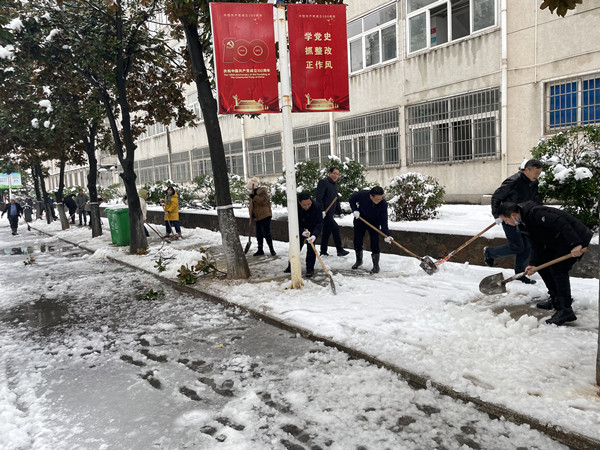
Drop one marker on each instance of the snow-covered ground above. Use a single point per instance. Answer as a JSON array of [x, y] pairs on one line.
[[440, 326]]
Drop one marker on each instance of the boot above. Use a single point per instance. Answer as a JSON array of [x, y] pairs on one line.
[[375, 258], [270, 244], [342, 252], [179, 236], [359, 259], [549, 303], [564, 312], [259, 252], [288, 269]]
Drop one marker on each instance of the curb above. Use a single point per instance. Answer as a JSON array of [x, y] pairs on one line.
[[569, 438]]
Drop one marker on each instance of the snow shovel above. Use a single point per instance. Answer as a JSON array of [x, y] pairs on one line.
[[159, 235], [331, 283], [427, 264], [454, 252], [249, 243], [496, 284]]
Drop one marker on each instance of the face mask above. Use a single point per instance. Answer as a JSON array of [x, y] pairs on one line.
[[517, 222]]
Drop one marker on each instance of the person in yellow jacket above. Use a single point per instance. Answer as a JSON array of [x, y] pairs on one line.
[[171, 207]]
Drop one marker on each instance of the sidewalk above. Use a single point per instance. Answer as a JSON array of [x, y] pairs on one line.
[[438, 330]]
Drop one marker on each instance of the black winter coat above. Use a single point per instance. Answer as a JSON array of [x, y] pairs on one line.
[[376, 215], [516, 189], [551, 229], [312, 220], [70, 203], [326, 192]]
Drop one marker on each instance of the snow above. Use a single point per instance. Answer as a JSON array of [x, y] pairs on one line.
[[439, 327]]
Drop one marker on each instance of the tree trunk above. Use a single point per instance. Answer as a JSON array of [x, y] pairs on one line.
[[62, 215], [237, 265], [598, 350], [90, 150]]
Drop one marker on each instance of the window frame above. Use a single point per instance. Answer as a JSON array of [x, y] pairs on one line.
[[427, 12], [581, 105], [362, 36]]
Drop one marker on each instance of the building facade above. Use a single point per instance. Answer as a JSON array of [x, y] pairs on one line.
[[460, 90]]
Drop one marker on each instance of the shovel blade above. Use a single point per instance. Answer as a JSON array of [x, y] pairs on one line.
[[332, 284], [494, 284], [247, 246], [428, 265]]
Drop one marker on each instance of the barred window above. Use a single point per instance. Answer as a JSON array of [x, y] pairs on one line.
[[235, 158], [458, 128], [312, 143], [575, 101], [201, 164], [264, 155], [372, 139]]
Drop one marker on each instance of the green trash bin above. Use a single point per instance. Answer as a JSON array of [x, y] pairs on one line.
[[118, 222]]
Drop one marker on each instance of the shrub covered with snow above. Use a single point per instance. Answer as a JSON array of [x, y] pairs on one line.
[[572, 171], [413, 196]]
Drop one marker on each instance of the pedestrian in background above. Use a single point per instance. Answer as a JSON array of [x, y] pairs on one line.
[[260, 210], [13, 211], [81, 200], [71, 206], [310, 221], [28, 211], [553, 233], [370, 205], [326, 193], [143, 194], [171, 206], [518, 188]]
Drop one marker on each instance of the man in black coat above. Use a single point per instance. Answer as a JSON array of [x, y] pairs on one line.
[[70, 203], [327, 193], [518, 188], [370, 205], [13, 210], [553, 233], [310, 221]]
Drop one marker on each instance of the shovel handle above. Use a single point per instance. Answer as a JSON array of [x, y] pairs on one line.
[[557, 260], [454, 252], [330, 205], [385, 235]]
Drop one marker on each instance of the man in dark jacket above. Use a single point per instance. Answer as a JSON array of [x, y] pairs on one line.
[[327, 193], [553, 233], [13, 210], [71, 205], [310, 221], [371, 206], [518, 188]]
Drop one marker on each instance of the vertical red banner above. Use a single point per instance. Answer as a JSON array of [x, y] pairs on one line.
[[318, 57], [244, 53]]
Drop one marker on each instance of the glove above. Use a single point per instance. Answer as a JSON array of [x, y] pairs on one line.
[[312, 238], [324, 214], [356, 215], [498, 221], [388, 240], [306, 233]]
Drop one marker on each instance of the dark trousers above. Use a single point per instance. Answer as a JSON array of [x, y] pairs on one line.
[[175, 224], [14, 223], [263, 231], [82, 214], [359, 233], [518, 244], [556, 277], [330, 227], [311, 257]]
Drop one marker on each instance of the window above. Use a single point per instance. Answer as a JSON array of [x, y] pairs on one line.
[[372, 140], [264, 155], [201, 164], [193, 104], [312, 143], [235, 158], [372, 39], [572, 102], [180, 164], [459, 128], [436, 22]]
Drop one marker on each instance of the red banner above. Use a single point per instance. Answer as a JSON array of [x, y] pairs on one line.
[[244, 52], [318, 57]]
